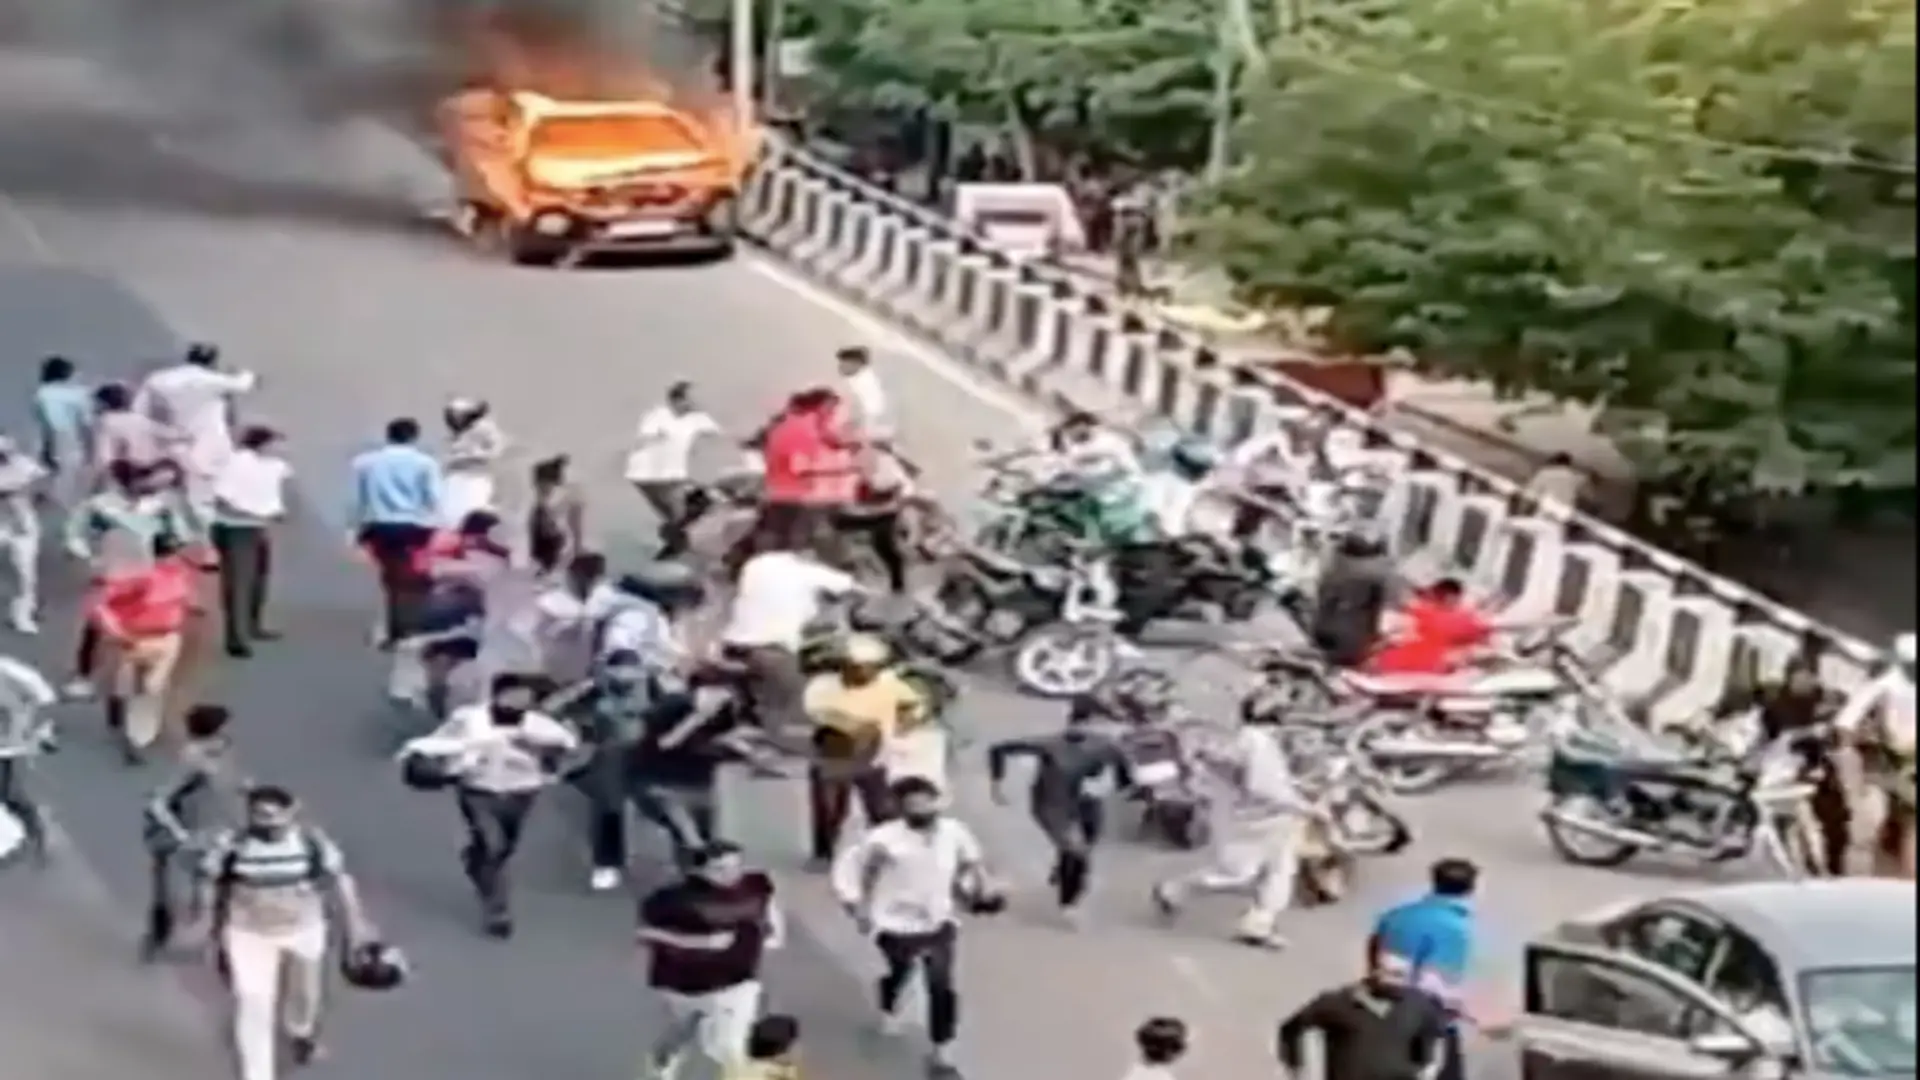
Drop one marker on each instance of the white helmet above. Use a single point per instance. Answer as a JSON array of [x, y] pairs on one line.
[[1905, 647]]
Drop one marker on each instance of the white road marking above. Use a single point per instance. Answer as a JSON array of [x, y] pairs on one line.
[[37, 244], [1195, 976], [941, 365]]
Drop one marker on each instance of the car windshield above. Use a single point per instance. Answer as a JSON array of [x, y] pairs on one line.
[[1861, 1020], [611, 136]]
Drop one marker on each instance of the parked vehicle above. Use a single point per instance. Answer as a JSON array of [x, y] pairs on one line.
[[1809, 980], [1619, 793], [1172, 805]]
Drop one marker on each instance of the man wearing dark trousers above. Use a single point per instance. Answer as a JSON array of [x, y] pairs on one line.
[[503, 752], [249, 499]]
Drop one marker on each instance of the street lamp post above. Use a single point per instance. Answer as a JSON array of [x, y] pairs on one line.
[[742, 62]]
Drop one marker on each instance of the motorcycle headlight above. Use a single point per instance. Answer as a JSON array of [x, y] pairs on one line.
[[552, 223]]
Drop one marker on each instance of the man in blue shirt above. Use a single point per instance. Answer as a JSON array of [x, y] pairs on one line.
[[396, 507], [63, 408], [1432, 937]]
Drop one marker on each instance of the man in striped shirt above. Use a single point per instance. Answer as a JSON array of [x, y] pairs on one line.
[[270, 885]]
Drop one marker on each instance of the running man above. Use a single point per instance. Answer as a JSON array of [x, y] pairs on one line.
[[1073, 773], [26, 732]]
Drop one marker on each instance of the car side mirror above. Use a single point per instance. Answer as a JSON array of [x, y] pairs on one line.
[[1727, 1046]]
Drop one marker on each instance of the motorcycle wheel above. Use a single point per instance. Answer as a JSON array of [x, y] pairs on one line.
[[1400, 775], [1367, 828], [1062, 661], [1581, 848]]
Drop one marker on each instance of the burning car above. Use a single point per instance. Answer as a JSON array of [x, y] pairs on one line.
[[547, 181]]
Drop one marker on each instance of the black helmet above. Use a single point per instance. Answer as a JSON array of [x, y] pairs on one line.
[[666, 583], [427, 772], [202, 353], [373, 966]]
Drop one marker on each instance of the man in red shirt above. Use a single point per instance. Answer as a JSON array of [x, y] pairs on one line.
[[1442, 631], [812, 467], [144, 615]]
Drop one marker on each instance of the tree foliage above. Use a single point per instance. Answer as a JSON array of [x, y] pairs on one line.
[[1696, 213], [1127, 77]]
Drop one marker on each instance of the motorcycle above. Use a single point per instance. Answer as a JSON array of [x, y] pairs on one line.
[[1416, 739], [1624, 793], [919, 635], [1172, 805]]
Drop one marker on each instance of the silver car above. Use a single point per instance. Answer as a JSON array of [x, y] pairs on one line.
[[1759, 981]]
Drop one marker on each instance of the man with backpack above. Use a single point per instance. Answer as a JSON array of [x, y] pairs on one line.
[[270, 884]]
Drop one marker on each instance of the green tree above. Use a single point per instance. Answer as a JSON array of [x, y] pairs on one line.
[[1697, 215], [1123, 77]]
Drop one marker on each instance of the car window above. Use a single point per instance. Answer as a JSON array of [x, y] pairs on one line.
[[1589, 990], [1747, 981], [1862, 1020], [1675, 940]]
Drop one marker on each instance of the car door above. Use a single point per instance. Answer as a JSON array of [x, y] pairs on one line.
[[1599, 1014]]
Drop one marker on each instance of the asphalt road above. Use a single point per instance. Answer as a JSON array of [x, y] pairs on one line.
[[114, 247]]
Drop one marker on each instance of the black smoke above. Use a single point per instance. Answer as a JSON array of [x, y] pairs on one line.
[[277, 73]]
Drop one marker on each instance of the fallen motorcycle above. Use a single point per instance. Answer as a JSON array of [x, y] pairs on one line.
[[1418, 738], [1614, 796], [1415, 744]]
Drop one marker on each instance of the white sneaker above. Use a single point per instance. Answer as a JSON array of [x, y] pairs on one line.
[[22, 621], [1263, 937], [603, 879], [78, 690]]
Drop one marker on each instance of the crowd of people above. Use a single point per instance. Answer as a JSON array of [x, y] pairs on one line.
[[545, 668]]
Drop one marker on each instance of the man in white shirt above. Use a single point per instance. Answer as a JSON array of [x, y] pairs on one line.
[[249, 499], [191, 402], [1881, 715], [661, 463], [1084, 447], [1276, 468], [504, 753], [1558, 486], [20, 478], [861, 388], [778, 595], [901, 883], [1257, 835]]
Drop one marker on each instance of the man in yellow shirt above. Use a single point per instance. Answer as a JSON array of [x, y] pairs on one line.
[[855, 711], [770, 1050]]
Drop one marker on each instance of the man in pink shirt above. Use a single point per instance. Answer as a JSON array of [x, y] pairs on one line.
[[143, 615]]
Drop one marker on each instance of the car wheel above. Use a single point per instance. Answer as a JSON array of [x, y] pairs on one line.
[[526, 250]]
